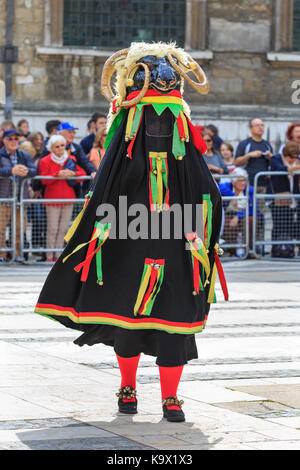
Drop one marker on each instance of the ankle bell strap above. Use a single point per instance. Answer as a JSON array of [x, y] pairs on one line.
[[172, 401], [126, 393]]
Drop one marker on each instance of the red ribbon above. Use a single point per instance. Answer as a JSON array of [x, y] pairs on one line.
[[221, 276]]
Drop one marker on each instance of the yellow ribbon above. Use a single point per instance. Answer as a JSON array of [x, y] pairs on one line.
[[142, 289]]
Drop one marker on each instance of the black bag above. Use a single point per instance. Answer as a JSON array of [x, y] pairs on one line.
[[283, 251]]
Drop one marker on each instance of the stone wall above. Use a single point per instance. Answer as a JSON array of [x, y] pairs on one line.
[[244, 82]]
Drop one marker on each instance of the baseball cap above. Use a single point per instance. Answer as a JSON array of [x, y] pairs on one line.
[[9, 132], [66, 126]]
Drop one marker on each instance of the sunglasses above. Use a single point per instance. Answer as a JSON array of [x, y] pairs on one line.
[[208, 140], [11, 139]]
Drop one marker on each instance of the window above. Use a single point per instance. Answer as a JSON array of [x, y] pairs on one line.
[[114, 24], [296, 25]]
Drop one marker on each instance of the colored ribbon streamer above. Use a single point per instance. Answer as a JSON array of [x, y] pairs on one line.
[[199, 254], [85, 265], [217, 268], [151, 282], [77, 220], [159, 194]]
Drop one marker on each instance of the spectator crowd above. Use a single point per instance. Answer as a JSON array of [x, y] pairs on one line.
[[25, 154]]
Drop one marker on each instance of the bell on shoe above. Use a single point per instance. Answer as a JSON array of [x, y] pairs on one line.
[[173, 415], [127, 393]]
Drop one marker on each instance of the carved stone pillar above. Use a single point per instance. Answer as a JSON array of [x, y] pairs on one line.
[[284, 18], [196, 25]]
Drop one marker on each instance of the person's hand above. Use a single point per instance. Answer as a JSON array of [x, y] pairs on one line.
[[234, 221], [255, 154], [66, 173], [214, 168], [269, 154], [19, 170], [37, 195], [93, 174]]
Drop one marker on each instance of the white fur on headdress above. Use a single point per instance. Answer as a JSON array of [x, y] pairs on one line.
[[138, 50]]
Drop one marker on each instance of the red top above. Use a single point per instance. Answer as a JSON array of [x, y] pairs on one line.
[[57, 189]]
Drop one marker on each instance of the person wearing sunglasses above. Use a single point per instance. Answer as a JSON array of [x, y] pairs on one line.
[[213, 158], [17, 163]]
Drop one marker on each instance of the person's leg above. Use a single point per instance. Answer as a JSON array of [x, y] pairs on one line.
[[18, 229], [65, 214], [52, 227], [169, 381], [128, 368], [5, 213]]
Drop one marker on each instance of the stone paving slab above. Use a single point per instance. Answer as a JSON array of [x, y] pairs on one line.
[[241, 394]]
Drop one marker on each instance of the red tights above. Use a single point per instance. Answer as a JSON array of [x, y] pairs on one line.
[[169, 377]]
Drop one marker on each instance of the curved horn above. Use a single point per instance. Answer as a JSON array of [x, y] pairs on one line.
[[202, 86], [107, 73], [143, 91]]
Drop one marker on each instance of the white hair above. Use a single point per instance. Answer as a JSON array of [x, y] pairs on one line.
[[240, 173], [54, 139]]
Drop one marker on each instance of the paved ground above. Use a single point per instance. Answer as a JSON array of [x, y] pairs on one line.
[[242, 393]]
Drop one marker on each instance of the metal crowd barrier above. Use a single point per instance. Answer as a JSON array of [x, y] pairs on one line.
[[279, 237], [8, 221], [234, 241], [35, 235]]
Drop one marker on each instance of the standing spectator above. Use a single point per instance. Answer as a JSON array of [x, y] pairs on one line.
[[37, 140], [226, 151], [254, 153], [51, 129], [214, 133], [13, 162], [23, 126], [5, 126], [293, 135], [98, 120], [68, 131], [98, 150], [36, 212], [90, 127], [58, 164], [213, 159], [283, 210]]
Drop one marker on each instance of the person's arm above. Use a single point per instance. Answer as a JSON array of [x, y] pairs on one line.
[[83, 161], [45, 170], [241, 158], [32, 170]]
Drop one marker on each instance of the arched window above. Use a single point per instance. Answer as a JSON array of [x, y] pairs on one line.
[[114, 24], [296, 25]]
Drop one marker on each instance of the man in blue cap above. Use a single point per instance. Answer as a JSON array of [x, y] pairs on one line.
[[13, 162], [68, 131]]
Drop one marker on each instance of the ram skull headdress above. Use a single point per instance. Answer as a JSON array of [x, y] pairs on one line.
[[160, 66]]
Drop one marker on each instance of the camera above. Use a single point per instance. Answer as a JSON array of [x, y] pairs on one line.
[[264, 154]]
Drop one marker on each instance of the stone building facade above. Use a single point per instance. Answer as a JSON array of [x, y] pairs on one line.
[[246, 47]]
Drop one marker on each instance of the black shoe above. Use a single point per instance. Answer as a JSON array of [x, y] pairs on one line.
[[173, 415], [127, 407]]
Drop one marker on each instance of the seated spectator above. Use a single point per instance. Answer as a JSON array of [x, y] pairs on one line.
[[98, 150], [13, 162], [213, 158], [98, 120], [58, 164], [283, 210], [37, 140], [23, 126], [235, 209]]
